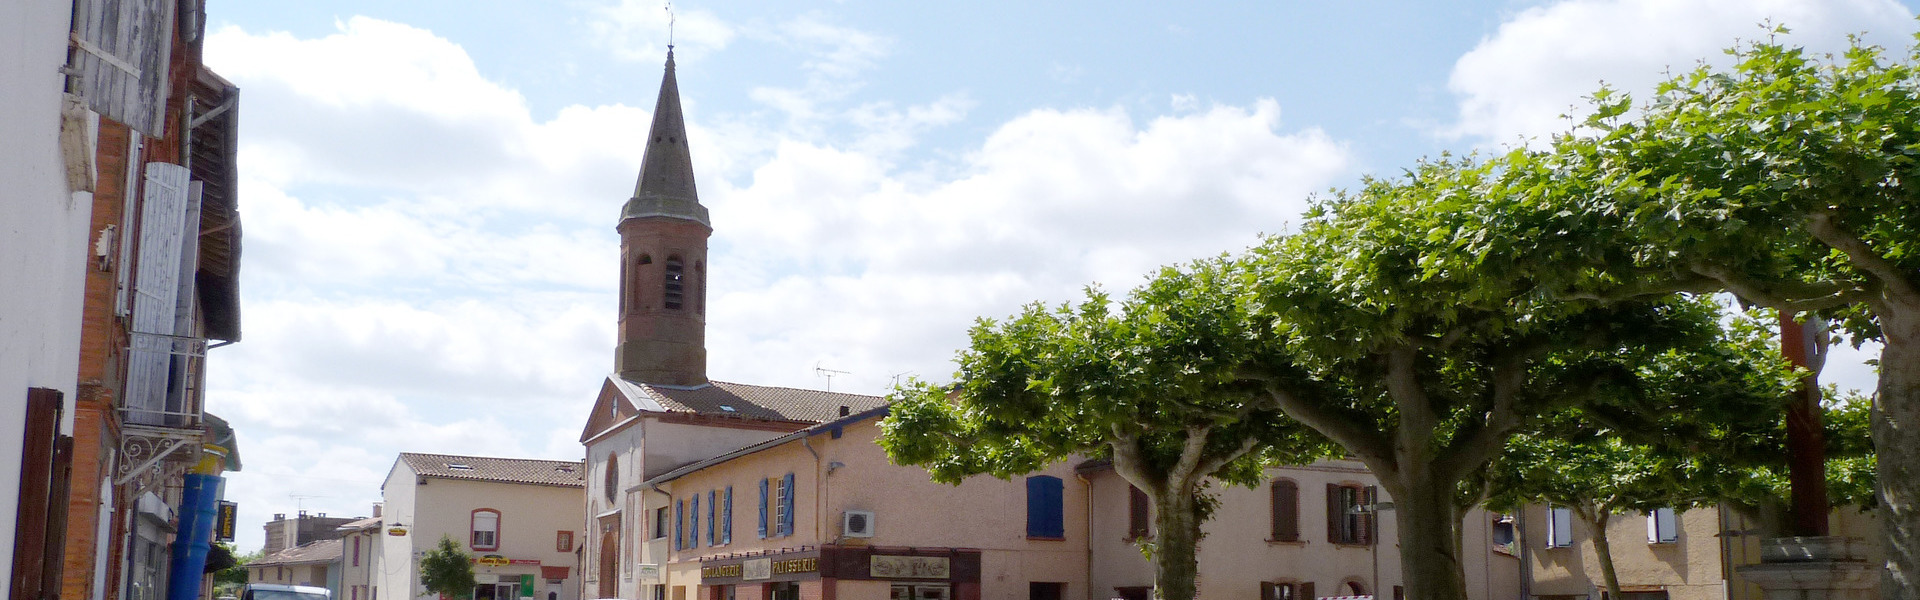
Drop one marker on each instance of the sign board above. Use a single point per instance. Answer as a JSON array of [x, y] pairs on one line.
[[225, 520], [909, 567], [759, 568], [492, 560], [397, 531], [650, 573], [526, 585]]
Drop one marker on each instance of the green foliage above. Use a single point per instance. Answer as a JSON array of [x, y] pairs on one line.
[[447, 569], [233, 575]]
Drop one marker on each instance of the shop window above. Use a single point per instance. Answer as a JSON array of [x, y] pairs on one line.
[[1046, 512], [784, 590], [1284, 509], [485, 525]]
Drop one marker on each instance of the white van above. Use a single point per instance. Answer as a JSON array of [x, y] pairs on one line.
[[269, 591]]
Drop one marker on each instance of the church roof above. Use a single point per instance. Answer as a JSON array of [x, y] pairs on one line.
[[565, 473], [748, 401], [665, 188]]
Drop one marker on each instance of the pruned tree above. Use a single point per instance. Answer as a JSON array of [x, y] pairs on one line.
[[447, 570], [1155, 383]]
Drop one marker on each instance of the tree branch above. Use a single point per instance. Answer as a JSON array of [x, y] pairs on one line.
[[1659, 286], [1863, 257], [1363, 439], [1798, 298], [1489, 433], [1417, 420]]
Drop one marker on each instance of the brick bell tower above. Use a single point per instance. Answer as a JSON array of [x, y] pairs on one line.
[[663, 258]]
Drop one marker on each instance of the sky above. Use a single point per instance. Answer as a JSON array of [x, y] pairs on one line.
[[429, 188]]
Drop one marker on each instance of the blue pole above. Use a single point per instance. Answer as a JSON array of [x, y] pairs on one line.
[[198, 504]]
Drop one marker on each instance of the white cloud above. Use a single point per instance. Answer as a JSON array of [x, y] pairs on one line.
[[420, 280], [1544, 61], [637, 30]]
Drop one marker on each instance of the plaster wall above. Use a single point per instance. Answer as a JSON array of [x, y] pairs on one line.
[[1690, 568], [624, 447], [393, 566], [358, 575], [531, 516], [910, 510], [43, 235]]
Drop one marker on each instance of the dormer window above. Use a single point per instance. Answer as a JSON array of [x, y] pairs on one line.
[[675, 283], [459, 466]]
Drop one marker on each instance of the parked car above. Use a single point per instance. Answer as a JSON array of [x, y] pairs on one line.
[[271, 591]]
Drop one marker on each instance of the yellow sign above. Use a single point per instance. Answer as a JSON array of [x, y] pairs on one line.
[[732, 570], [397, 531], [796, 565], [492, 560]]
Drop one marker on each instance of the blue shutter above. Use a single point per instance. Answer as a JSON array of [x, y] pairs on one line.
[[693, 519], [726, 524], [713, 524], [679, 518], [763, 508], [1046, 514], [786, 505]]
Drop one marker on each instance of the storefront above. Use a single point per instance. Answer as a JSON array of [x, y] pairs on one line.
[[844, 573], [499, 578]]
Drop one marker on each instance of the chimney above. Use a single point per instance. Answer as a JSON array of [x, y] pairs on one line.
[[376, 510], [279, 516]]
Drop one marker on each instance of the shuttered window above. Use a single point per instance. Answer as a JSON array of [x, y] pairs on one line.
[[155, 395], [1046, 511], [1559, 527], [763, 508], [1350, 514], [1661, 527], [679, 525], [726, 518], [1138, 513], [713, 521], [786, 505], [693, 528], [1285, 509]]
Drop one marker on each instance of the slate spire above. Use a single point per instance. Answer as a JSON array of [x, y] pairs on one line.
[[665, 188]]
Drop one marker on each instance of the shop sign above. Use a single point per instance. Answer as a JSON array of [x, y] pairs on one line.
[[649, 572], [224, 521], [732, 570], [795, 565], [909, 567], [492, 560], [526, 586], [397, 531]]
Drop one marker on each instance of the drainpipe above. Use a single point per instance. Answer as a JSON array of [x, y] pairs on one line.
[[1088, 484], [819, 483], [666, 574]]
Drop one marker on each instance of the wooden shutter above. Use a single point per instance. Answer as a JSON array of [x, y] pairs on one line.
[[1267, 591], [1367, 518], [1334, 512], [1306, 591], [1286, 510], [726, 525], [763, 508], [1559, 527], [713, 520], [40, 519], [679, 524], [119, 62], [1139, 513], [156, 290]]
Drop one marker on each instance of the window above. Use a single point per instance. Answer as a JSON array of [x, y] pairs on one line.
[[675, 284], [1559, 527], [786, 505], [1349, 513], [1502, 532], [612, 477], [356, 550], [1285, 509], [1661, 527], [1046, 513], [763, 509], [486, 529], [1139, 515], [563, 541], [1046, 590], [660, 522], [1286, 590]]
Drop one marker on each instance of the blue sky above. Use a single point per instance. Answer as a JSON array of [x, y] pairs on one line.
[[429, 187]]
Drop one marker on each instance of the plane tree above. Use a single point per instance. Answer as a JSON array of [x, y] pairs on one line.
[[1153, 382]]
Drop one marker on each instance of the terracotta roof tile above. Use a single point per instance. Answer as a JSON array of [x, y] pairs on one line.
[[506, 470], [759, 401], [310, 552]]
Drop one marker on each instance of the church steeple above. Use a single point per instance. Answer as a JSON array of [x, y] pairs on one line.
[[663, 258]]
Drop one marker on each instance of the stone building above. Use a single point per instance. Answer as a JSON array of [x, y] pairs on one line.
[[283, 533]]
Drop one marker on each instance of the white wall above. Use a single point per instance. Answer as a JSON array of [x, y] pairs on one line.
[[43, 237], [393, 563]]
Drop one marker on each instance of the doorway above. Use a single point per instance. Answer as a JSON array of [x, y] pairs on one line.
[[922, 592]]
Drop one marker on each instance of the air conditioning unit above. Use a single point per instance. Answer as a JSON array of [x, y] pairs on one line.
[[857, 523]]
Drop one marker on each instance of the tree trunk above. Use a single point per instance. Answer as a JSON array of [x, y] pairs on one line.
[[1896, 441], [1176, 544], [1603, 548], [1428, 526]]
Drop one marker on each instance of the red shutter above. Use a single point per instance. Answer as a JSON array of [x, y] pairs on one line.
[[1306, 591]]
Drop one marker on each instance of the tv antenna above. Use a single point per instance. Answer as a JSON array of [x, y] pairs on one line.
[[300, 500], [828, 373]]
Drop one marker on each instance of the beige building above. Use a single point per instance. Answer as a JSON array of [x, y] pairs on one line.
[[822, 513], [359, 540], [1666, 555], [520, 517]]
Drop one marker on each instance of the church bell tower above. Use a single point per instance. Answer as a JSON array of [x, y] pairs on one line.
[[663, 258]]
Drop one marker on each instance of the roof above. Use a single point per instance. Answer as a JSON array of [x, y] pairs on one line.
[[562, 473], [308, 553], [665, 188], [691, 467], [360, 525], [749, 401]]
